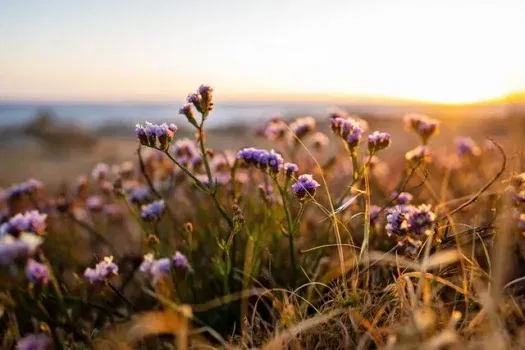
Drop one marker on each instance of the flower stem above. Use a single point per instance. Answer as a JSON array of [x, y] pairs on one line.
[[290, 232]]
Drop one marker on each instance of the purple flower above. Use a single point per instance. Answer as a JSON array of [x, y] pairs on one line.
[[36, 341], [102, 271], [467, 147], [420, 154], [374, 213], [409, 223], [12, 248], [156, 136], [161, 267], [37, 272], [275, 129], [305, 187], [139, 195], [100, 171], [30, 221], [180, 262], [424, 126], [184, 150], [290, 169], [268, 161], [153, 211], [187, 110], [319, 141], [302, 127], [402, 198], [421, 220], [94, 203], [27, 187], [378, 141], [206, 93], [348, 129], [147, 263], [396, 220]]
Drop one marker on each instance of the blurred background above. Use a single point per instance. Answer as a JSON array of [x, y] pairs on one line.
[[75, 77]]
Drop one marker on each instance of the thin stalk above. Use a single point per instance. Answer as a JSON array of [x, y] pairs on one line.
[[202, 144], [290, 232], [187, 172]]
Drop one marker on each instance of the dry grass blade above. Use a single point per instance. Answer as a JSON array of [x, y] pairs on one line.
[[124, 336], [280, 340]]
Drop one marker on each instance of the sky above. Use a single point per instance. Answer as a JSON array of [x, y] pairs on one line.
[[121, 50]]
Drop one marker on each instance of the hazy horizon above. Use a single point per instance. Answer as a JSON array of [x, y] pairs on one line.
[[336, 50]]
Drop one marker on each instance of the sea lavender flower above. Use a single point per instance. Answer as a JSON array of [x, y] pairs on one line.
[[420, 154], [30, 221], [319, 141], [180, 262], [305, 187], [375, 210], [187, 110], [290, 169], [378, 141], [160, 267], [12, 248], [36, 341], [397, 220], [94, 203], [27, 187], [202, 100], [467, 147], [402, 198], [268, 161], [100, 171], [37, 272], [139, 195], [421, 220], [424, 126], [147, 263], [153, 211], [348, 129], [302, 127], [184, 150], [102, 271], [156, 136]]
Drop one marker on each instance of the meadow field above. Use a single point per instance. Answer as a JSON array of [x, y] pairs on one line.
[[342, 232]]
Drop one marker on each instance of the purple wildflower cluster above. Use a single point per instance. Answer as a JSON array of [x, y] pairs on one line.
[[153, 211], [28, 187], [302, 127], [139, 195], [424, 126], [12, 248], [305, 187], [30, 221], [36, 341], [36, 272], [202, 100], [105, 269], [156, 136], [290, 169], [274, 129], [402, 198], [420, 154], [319, 141], [466, 146], [410, 224], [268, 161], [378, 141], [348, 129], [158, 268], [100, 171], [186, 152]]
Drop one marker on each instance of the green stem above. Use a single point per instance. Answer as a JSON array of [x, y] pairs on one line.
[[202, 144], [187, 172]]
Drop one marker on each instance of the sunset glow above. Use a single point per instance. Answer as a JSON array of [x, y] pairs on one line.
[[447, 51]]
